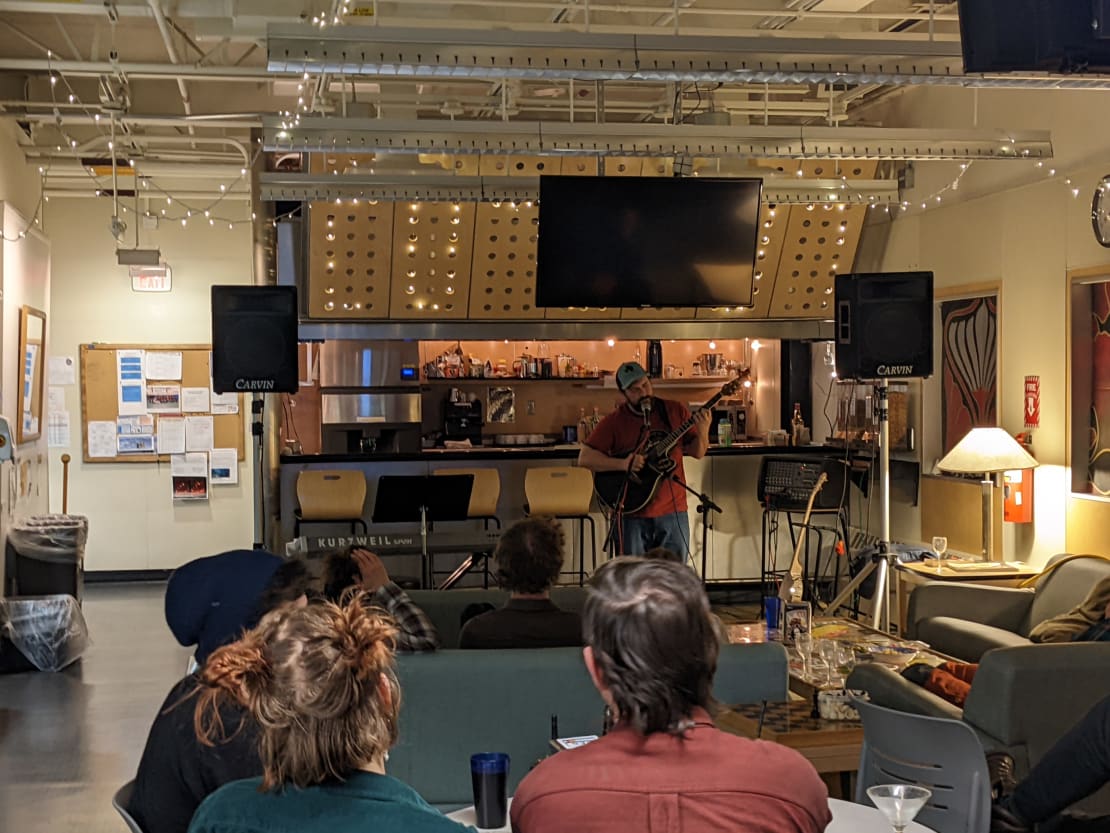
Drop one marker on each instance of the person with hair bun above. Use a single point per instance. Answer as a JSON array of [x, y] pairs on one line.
[[319, 682]]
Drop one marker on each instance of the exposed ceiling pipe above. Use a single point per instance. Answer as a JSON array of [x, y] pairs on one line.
[[149, 70], [11, 111], [167, 39], [96, 141]]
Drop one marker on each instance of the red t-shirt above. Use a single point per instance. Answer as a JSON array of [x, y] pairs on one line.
[[616, 435], [705, 781]]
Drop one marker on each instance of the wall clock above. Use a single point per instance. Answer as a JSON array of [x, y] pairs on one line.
[[1100, 212]]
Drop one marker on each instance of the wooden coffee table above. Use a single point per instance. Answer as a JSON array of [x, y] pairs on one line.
[[830, 745]]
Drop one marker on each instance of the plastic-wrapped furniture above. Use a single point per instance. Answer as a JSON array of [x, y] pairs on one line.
[[45, 555], [49, 631]]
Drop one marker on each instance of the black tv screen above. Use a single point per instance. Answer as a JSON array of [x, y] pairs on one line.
[[1034, 36], [646, 241]]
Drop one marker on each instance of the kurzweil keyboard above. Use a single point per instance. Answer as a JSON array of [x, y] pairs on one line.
[[405, 543], [785, 483]]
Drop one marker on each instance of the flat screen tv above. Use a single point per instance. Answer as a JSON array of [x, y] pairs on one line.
[[1035, 35], [646, 241]]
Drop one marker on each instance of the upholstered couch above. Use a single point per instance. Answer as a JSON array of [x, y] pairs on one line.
[[967, 620], [455, 703]]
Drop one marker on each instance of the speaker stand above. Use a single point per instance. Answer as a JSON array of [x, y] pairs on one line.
[[883, 560], [258, 471]]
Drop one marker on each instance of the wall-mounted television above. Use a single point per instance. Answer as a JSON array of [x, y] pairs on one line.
[[1035, 35], [646, 241]]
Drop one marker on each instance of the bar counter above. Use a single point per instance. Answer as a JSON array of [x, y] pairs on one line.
[[728, 475]]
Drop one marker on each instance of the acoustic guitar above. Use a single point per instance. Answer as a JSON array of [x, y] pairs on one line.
[[637, 489], [792, 585]]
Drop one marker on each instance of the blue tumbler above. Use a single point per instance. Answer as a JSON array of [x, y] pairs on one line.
[[772, 612], [489, 775]]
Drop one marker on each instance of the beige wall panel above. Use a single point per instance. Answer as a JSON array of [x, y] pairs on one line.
[[499, 165], [504, 274], [580, 166], [1088, 525], [821, 240], [657, 314], [773, 222], [432, 248], [349, 255], [624, 166], [582, 313]]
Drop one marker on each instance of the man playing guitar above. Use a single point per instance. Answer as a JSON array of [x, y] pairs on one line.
[[663, 521]]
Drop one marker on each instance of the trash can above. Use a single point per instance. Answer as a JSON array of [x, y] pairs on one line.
[[45, 555], [46, 632]]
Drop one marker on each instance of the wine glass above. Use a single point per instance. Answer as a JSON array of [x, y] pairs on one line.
[[803, 644], [940, 546], [827, 651], [898, 802]]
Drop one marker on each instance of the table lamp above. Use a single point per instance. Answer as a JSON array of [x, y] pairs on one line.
[[987, 451]]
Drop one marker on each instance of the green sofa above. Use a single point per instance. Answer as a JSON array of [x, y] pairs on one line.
[[455, 703]]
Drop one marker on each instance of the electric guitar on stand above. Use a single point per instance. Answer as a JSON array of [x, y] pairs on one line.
[[793, 584], [631, 492]]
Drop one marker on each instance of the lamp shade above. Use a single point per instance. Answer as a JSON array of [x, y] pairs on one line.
[[986, 450]]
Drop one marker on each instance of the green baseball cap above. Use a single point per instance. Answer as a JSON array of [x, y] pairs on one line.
[[629, 373]]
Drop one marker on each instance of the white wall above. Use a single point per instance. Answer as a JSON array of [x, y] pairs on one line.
[[1026, 239], [133, 523]]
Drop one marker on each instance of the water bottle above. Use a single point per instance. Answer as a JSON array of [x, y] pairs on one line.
[[724, 432]]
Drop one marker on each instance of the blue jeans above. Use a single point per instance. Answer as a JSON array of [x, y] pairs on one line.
[[1077, 765], [670, 531]]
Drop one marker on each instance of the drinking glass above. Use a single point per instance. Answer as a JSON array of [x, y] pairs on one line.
[[940, 546], [803, 644], [898, 802], [827, 651]]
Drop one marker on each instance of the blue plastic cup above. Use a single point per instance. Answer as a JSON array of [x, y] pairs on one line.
[[772, 612], [489, 775]]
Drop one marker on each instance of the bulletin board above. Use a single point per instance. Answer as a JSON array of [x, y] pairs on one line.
[[100, 396]]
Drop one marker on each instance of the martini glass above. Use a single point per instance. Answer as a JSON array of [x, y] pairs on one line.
[[898, 802]]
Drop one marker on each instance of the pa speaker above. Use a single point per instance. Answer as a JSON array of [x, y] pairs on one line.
[[254, 339], [884, 325]]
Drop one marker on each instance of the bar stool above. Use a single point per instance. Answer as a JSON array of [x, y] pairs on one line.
[[330, 497], [564, 492], [483, 496]]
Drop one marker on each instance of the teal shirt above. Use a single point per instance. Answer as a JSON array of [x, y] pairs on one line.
[[366, 802]]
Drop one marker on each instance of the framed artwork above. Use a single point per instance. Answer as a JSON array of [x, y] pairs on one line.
[[969, 366], [1095, 341]]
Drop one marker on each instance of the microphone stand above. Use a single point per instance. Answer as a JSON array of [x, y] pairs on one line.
[[610, 545], [704, 507]]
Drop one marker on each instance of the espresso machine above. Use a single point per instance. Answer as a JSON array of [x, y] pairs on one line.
[[463, 421]]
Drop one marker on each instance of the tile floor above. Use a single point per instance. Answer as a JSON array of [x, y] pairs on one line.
[[69, 740]]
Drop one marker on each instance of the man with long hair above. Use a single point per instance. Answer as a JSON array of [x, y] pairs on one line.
[[651, 651]]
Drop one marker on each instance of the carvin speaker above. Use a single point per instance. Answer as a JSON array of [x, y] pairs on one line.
[[254, 339], [884, 325]]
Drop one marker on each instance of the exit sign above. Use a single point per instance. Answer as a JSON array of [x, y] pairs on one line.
[[150, 278]]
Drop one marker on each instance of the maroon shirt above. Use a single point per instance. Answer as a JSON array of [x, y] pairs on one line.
[[706, 781], [616, 436]]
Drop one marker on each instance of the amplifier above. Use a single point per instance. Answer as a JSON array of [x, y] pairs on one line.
[[785, 483]]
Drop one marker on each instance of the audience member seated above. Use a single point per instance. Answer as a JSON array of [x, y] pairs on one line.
[[1087, 622], [651, 652], [319, 682], [529, 556], [177, 771], [211, 601], [359, 567], [1074, 768]]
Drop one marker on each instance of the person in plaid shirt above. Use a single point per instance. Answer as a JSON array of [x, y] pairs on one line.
[[362, 568]]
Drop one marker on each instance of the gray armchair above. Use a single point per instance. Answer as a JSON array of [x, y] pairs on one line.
[[1022, 701], [967, 620]]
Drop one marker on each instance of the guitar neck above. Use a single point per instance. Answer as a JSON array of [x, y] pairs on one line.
[[668, 442]]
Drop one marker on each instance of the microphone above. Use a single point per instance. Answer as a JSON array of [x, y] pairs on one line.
[[645, 409]]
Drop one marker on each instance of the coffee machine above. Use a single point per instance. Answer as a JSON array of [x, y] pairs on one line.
[[463, 421]]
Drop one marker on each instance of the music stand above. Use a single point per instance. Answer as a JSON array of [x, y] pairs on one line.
[[424, 499]]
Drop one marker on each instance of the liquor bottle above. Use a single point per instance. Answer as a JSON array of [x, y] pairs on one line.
[[655, 359], [583, 425], [797, 424]]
